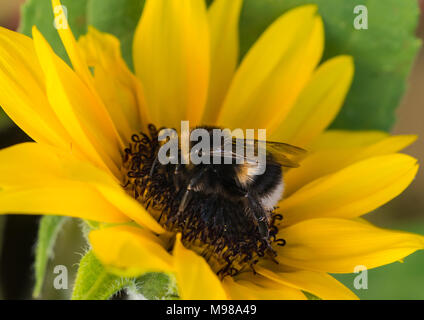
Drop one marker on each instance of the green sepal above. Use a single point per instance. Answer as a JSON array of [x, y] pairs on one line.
[[155, 286], [93, 282]]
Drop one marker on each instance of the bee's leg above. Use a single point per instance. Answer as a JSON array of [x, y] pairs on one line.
[[184, 201], [259, 214], [261, 219], [176, 177], [152, 169], [188, 193]]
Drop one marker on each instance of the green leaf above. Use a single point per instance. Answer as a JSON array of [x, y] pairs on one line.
[[93, 282], [40, 13], [156, 286], [119, 18], [383, 54], [47, 234]]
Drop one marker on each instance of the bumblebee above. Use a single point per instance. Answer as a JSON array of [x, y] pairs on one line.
[[227, 207]]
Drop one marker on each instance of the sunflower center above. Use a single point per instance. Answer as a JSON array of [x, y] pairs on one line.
[[216, 227]]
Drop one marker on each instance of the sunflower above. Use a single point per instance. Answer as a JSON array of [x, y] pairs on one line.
[[85, 118]]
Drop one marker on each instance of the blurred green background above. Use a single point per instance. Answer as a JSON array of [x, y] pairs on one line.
[[395, 281]]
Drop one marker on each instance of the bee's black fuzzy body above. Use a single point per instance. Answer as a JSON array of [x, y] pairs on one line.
[[229, 210]]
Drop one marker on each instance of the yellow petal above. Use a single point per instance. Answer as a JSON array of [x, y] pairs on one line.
[[46, 165], [353, 191], [319, 284], [78, 109], [118, 87], [22, 90], [69, 42], [195, 278], [223, 22], [79, 63], [274, 71], [43, 189], [130, 251], [171, 58], [50, 170], [339, 245], [336, 149], [318, 103], [335, 139], [65, 199], [255, 287], [130, 207]]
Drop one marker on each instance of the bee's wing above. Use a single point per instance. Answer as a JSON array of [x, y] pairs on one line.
[[280, 151], [281, 147]]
